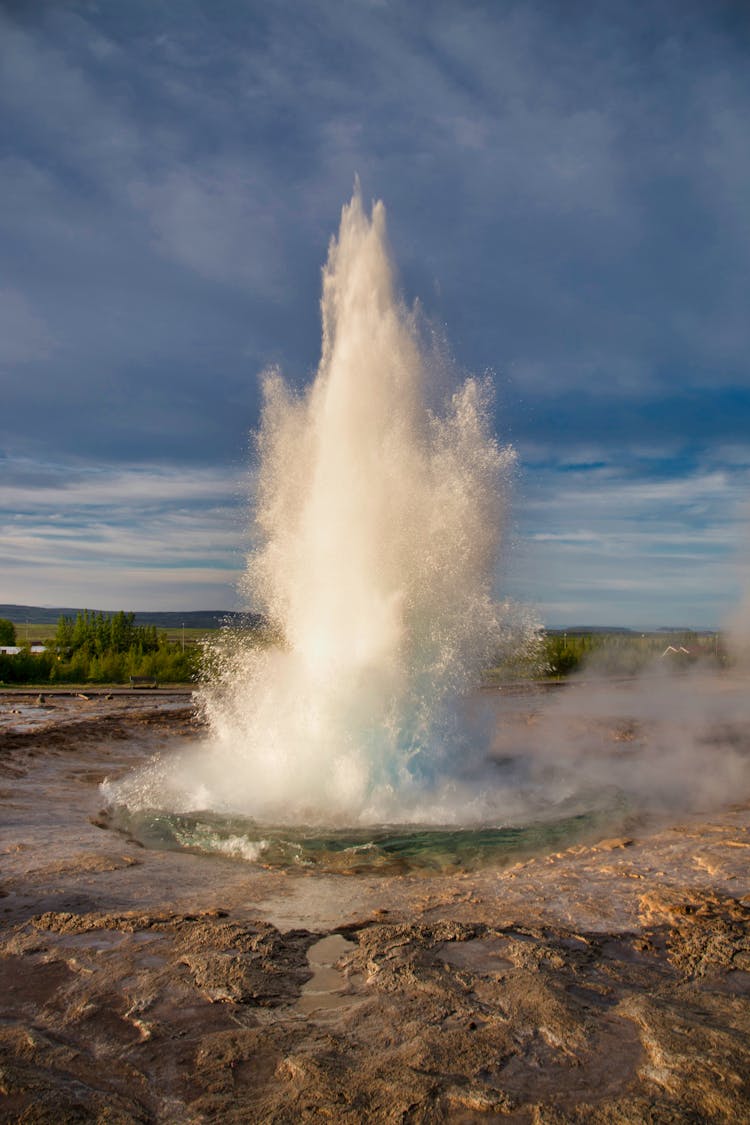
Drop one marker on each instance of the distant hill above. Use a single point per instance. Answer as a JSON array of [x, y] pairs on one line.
[[215, 618], [191, 619], [586, 629]]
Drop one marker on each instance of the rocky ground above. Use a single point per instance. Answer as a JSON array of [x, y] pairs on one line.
[[608, 982]]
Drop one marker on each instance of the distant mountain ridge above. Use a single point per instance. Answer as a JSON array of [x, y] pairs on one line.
[[579, 630], [215, 618], [576, 629], [167, 619]]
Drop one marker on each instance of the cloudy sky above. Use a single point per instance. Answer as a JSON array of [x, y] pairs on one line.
[[568, 195]]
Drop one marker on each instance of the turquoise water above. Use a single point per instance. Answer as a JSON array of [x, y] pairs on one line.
[[383, 849]]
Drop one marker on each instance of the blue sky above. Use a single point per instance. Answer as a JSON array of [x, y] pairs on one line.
[[568, 195]]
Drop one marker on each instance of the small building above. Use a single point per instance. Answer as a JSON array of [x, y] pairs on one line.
[[36, 648]]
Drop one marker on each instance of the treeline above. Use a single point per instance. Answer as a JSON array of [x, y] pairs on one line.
[[96, 634], [629, 653], [559, 654], [100, 648]]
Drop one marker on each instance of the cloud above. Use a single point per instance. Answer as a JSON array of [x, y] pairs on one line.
[[163, 536], [630, 541], [214, 221], [54, 102], [68, 486], [23, 334], [136, 588]]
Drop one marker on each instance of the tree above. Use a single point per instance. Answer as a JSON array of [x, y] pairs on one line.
[[64, 634], [7, 632], [80, 635]]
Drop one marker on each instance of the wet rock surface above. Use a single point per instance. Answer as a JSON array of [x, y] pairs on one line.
[[609, 982]]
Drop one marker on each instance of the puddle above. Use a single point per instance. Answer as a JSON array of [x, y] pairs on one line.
[[24, 717], [326, 988], [476, 955], [152, 961], [96, 941]]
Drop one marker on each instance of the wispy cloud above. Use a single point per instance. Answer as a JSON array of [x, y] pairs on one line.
[[164, 536], [645, 542], [70, 486], [215, 221], [23, 334]]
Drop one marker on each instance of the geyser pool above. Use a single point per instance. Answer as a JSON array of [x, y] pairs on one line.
[[381, 849], [378, 516]]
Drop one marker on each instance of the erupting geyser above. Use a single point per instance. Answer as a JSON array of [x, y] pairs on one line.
[[378, 521]]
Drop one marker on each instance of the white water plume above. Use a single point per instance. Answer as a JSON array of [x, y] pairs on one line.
[[379, 522]]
